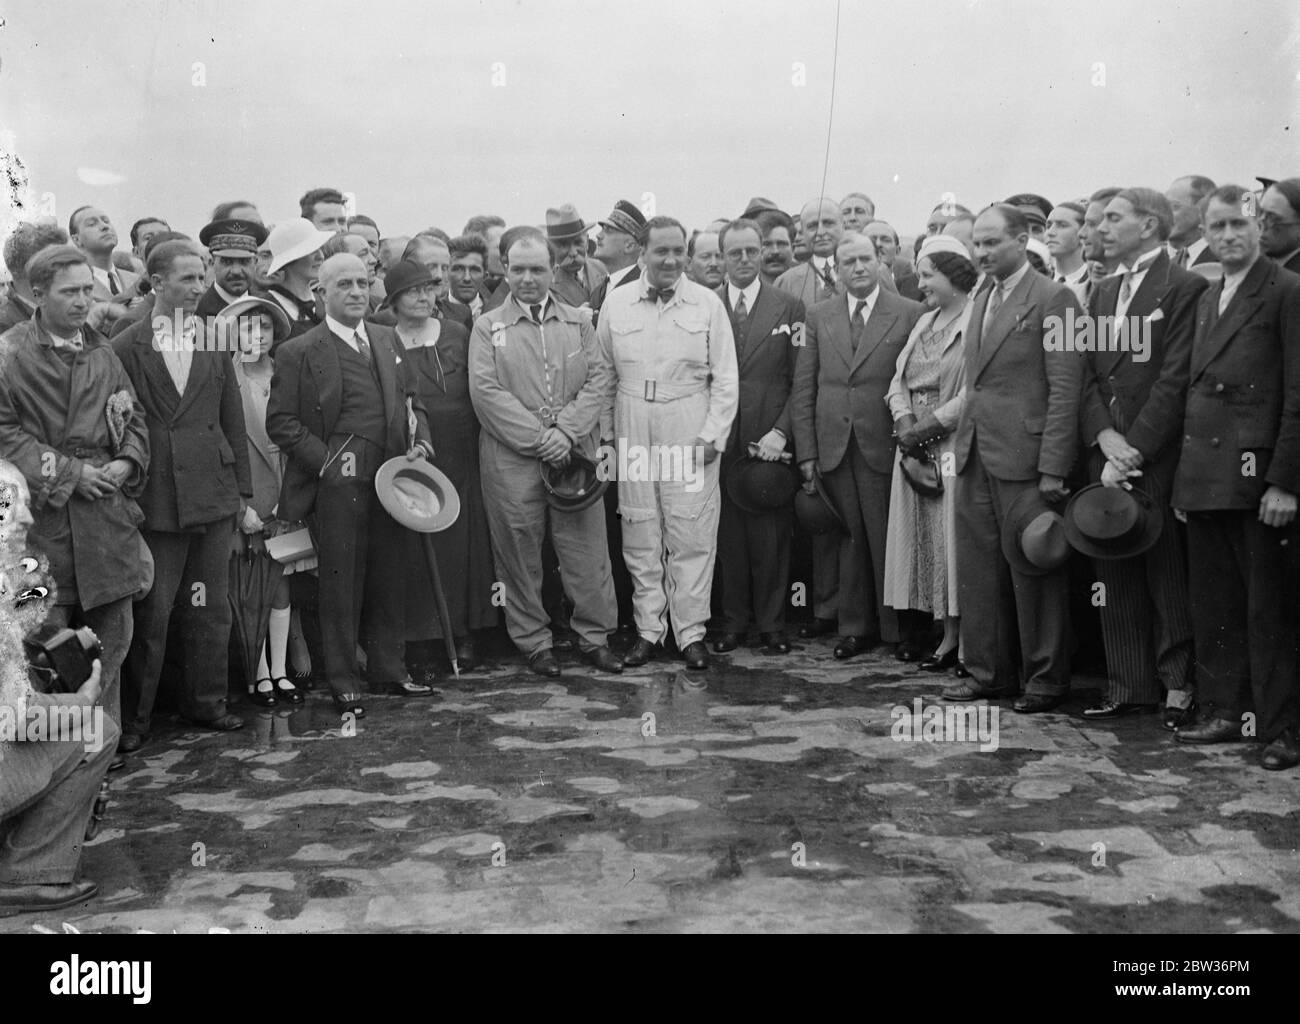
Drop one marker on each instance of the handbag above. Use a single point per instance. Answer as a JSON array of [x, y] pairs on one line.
[[922, 473], [287, 548]]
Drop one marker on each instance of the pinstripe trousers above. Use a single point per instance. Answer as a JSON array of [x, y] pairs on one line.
[[1146, 619]]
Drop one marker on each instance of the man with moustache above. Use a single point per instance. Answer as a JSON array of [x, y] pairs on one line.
[[577, 277], [338, 411], [1279, 221], [1064, 242], [1131, 419], [778, 252], [539, 384], [670, 343], [1237, 482], [754, 549], [1018, 433], [1187, 243], [197, 475], [705, 265], [233, 245], [843, 430]]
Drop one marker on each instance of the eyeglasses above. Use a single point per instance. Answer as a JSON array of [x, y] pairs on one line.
[[1270, 220], [741, 254]]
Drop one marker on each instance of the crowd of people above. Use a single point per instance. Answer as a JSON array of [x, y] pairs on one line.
[[1035, 409]]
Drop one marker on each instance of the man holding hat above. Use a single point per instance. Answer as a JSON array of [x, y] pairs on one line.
[[754, 543], [1132, 421], [338, 410], [577, 278], [539, 383], [295, 246], [233, 245]]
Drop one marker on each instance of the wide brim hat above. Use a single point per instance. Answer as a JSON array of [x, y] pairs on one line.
[[1112, 522], [233, 237], [573, 486], [563, 223], [417, 494], [759, 487], [816, 512], [1033, 535], [292, 240], [403, 276], [257, 304], [758, 205]]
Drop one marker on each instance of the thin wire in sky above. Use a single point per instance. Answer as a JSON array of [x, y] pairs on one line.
[[830, 117]]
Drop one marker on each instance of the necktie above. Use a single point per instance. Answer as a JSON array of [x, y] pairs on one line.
[[113, 287], [858, 324], [828, 275], [1180, 258], [741, 313], [537, 313], [362, 347], [995, 300], [1126, 288]]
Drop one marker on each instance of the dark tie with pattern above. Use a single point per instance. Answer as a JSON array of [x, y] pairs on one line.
[[741, 313], [362, 347], [1180, 258], [858, 325], [828, 276]]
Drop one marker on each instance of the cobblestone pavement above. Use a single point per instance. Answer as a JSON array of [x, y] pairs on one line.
[[767, 794]]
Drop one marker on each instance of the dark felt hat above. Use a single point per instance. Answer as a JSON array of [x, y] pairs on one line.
[[1111, 522]]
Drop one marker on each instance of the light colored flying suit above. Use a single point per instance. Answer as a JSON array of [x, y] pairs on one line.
[[525, 377], [677, 380]]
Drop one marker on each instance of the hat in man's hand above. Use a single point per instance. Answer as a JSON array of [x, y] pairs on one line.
[[1033, 535], [1111, 522], [816, 512], [417, 494], [574, 486], [757, 486]]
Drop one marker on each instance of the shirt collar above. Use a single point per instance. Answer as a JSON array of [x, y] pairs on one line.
[[1143, 263], [681, 289], [1012, 282], [226, 297], [870, 301], [821, 262], [344, 331], [750, 291]]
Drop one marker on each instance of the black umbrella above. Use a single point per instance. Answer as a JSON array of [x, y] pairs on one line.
[[254, 577]]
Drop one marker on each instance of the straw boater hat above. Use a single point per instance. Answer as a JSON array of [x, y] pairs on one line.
[[564, 224], [417, 494]]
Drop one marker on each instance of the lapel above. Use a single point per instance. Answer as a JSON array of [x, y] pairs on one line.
[[1011, 312], [201, 371], [758, 329], [883, 317], [386, 358], [1145, 301], [155, 371], [323, 361], [1243, 306], [841, 333], [960, 328]]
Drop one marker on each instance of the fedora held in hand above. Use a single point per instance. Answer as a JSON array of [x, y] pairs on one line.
[[574, 486], [758, 486], [1111, 522], [1033, 535], [418, 495]]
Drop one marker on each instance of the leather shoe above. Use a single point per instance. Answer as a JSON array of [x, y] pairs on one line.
[[407, 687], [466, 655], [1212, 730], [851, 646], [543, 663], [130, 742], [939, 662], [969, 691], [34, 899], [1283, 752], [907, 651], [726, 643], [1031, 703], [777, 643], [604, 659], [1118, 709], [1174, 719], [641, 652], [225, 723], [349, 704], [696, 655], [816, 628], [117, 764]]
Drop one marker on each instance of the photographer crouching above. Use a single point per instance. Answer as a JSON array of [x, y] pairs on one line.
[[55, 747]]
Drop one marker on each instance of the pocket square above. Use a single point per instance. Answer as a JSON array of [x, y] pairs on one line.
[[781, 329], [1159, 314]]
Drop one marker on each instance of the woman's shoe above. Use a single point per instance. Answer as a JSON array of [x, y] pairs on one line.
[[263, 698], [286, 691], [939, 662]]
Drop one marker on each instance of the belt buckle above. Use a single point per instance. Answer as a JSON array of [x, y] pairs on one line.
[[649, 391], [546, 415]]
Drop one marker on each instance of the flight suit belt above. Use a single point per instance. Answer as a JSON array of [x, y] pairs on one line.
[[660, 390]]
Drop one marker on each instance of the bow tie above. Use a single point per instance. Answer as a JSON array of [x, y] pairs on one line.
[[663, 294]]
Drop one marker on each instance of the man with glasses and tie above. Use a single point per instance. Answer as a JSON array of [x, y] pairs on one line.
[[1236, 485], [843, 430], [1018, 432], [338, 410]]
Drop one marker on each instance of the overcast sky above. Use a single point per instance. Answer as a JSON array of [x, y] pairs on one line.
[[431, 111]]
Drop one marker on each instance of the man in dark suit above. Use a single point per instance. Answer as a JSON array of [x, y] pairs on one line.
[[197, 473], [1187, 246], [233, 246], [1237, 482], [754, 549], [1018, 432], [843, 429], [338, 411], [1134, 390], [618, 247], [1279, 219], [893, 269]]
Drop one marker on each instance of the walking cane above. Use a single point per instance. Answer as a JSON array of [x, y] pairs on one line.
[[444, 614]]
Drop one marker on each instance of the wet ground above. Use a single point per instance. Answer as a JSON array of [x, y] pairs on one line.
[[768, 794]]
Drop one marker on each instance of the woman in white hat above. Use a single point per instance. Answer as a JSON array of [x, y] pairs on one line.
[[925, 399], [295, 251]]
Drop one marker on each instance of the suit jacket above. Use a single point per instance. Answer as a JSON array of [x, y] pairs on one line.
[[210, 304], [198, 448], [1244, 394], [1143, 399], [1293, 264], [767, 352], [569, 290], [306, 399], [804, 283], [598, 296], [1022, 394], [908, 285], [13, 312], [839, 394], [128, 280]]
